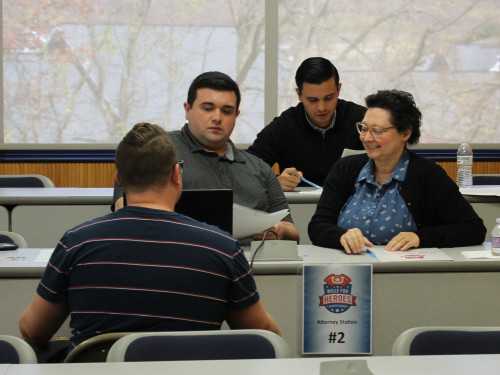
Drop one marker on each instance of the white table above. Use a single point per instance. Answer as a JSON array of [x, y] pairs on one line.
[[55, 196], [417, 365], [405, 294], [22, 263], [42, 215]]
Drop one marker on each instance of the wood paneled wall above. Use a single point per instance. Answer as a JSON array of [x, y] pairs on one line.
[[102, 174], [479, 167], [67, 174]]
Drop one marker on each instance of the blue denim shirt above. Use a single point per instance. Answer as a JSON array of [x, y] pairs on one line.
[[379, 213]]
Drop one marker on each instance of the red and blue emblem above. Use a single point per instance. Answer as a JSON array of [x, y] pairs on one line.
[[338, 297]]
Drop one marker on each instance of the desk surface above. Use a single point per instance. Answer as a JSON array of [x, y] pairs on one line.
[[311, 195], [43, 196], [22, 262], [53, 196], [319, 255], [402, 298], [466, 365]]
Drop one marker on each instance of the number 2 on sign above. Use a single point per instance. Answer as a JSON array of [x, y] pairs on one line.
[[336, 338]]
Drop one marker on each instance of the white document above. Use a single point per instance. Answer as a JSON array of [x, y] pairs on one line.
[[410, 255], [247, 221], [481, 190], [349, 152], [484, 254], [44, 256], [311, 192]]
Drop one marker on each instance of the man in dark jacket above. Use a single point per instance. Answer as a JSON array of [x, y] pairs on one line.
[[307, 139]]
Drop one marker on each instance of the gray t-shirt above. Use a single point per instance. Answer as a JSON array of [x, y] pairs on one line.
[[253, 182]]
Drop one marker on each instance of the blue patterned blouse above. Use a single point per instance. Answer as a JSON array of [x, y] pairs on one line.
[[379, 213]]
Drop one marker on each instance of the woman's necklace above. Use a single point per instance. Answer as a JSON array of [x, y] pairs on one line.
[[378, 182]]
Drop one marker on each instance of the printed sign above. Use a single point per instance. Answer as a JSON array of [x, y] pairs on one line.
[[340, 322]]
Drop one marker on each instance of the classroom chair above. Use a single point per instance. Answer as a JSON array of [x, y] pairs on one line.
[[94, 349], [25, 180], [448, 341], [199, 345], [14, 350], [13, 238], [486, 179]]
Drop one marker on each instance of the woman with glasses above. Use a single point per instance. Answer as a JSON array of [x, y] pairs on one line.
[[391, 196]]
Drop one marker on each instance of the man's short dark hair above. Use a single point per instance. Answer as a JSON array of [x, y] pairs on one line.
[[316, 70], [216, 81], [145, 158], [405, 114]]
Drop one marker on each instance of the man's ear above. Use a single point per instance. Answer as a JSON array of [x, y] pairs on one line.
[[186, 109], [176, 178], [116, 178], [299, 94]]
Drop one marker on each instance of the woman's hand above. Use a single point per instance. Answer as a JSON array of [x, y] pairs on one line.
[[403, 241], [353, 241]]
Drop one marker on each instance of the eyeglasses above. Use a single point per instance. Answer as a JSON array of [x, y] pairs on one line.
[[181, 165], [376, 132]]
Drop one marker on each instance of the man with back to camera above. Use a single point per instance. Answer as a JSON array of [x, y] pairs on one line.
[[212, 161], [307, 139], [145, 267]]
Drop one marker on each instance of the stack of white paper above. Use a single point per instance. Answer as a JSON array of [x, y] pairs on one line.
[[409, 255], [484, 254], [481, 190]]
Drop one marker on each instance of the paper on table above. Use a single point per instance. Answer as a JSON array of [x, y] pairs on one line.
[[247, 221], [481, 190], [349, 152], [311, 192], [43, 256], [483, 254], [410, 255]]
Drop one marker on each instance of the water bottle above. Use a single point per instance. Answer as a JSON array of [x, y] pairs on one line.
[[464, 166], [495, 239]]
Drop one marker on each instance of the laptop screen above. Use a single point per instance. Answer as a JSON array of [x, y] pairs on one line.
[[212, 206]]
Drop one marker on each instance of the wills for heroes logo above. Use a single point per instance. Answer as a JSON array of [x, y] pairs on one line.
[[338, 297]]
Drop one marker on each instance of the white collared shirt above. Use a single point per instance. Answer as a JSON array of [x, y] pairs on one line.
[[321, 130]]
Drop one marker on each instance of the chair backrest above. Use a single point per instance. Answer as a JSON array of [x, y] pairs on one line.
[[14, 237], [25, 180], [94, 349], [448, 341], [486, 179], [199, 345], [14, 350]]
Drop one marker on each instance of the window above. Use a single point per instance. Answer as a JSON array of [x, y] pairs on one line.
[[80, 71], [85, 71], [446, 53]]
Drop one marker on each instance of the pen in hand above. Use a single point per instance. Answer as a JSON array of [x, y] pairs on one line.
[[310, 183], [307, 181], [371, 253]]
